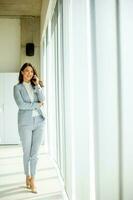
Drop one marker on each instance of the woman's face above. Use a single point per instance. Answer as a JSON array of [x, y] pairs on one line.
[[27, 74]]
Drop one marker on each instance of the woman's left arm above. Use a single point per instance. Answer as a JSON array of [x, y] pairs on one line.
[[38, 88], [40, 93]]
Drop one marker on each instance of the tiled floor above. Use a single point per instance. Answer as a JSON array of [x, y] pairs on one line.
[[12, 179]]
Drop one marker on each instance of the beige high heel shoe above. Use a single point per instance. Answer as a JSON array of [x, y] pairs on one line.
[[28, 178], [32, 185]]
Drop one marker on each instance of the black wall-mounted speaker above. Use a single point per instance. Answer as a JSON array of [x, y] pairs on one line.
[[30, 49]]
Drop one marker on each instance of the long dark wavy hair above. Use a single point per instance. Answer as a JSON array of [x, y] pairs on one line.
[[20, 78]]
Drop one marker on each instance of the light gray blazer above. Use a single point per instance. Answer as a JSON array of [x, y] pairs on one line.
[[25, 105]]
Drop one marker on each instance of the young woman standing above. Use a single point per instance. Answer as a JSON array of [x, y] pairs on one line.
[[29, 97]]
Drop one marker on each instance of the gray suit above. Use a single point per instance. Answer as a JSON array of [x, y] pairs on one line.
[[30, 128], [25, 105]]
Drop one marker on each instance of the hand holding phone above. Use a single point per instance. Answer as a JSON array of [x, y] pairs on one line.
[[35, 80]]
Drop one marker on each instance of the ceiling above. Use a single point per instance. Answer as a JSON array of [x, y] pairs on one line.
[[20, 7]]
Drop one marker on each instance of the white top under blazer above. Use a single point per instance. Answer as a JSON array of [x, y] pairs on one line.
[[30, 91]]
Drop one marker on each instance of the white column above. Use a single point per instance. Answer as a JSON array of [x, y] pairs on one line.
[[107, 101], [126, 33], [81, 92]]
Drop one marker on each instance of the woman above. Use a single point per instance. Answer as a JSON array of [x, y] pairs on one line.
[[29, 97]]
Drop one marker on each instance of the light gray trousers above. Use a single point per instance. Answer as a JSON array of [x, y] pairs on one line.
[[31, 137]]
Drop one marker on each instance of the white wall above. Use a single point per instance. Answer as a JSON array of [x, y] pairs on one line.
[[9, 45], [8, 110]]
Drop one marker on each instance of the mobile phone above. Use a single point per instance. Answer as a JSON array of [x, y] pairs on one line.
[[34, 79]]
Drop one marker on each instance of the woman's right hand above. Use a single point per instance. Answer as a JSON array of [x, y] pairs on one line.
[[41, 104]]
